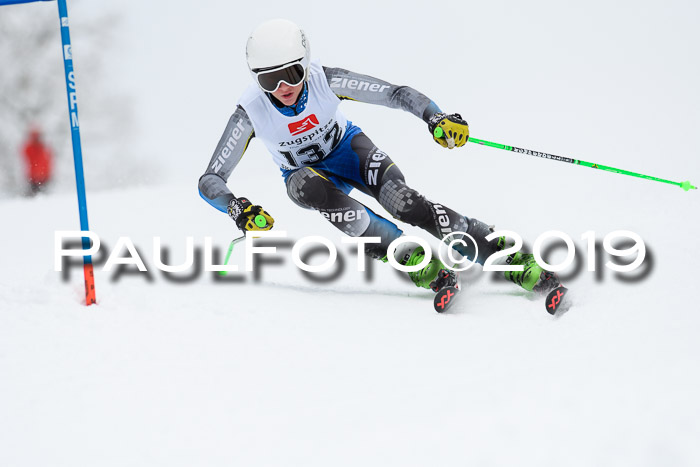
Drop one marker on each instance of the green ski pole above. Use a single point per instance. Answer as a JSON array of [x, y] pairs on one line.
[[260, 221], [685, 185]]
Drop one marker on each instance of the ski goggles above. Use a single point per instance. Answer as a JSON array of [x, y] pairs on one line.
[[291, 74]]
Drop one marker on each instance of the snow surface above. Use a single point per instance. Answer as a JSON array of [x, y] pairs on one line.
[[284, 371]]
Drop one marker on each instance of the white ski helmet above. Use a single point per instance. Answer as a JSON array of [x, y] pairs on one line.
[[275, 43]]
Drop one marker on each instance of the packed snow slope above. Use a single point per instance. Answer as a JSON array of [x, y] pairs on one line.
[[285, 371], [280, 370]]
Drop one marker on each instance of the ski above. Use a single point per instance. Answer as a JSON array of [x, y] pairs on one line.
[[446, 288], [445, 298], [556, 301]]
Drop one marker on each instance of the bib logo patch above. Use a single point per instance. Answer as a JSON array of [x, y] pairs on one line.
[[301, 126]]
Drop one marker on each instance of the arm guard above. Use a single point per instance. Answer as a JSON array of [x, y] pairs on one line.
[[354, 86], [232, 145]]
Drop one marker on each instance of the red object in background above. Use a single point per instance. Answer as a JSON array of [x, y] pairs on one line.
[[38, 158]]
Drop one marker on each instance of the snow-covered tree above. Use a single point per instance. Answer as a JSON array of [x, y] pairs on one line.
[[32, 91]]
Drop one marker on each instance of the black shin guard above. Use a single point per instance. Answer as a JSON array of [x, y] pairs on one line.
[[386, 183]]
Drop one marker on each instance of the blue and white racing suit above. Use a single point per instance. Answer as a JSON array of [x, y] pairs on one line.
[[323, 157]]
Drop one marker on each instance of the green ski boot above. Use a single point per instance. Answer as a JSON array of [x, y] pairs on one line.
[[533, 277], [529, 276], [411, 255]]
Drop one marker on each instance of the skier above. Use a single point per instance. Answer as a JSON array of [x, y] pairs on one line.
[[292, 106], [37, 157]]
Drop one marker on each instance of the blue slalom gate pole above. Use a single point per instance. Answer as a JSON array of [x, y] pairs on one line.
[[90, 297], [75, 136]]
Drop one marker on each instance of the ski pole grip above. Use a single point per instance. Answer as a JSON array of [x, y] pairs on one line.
[[260, 221], [438, 133]]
